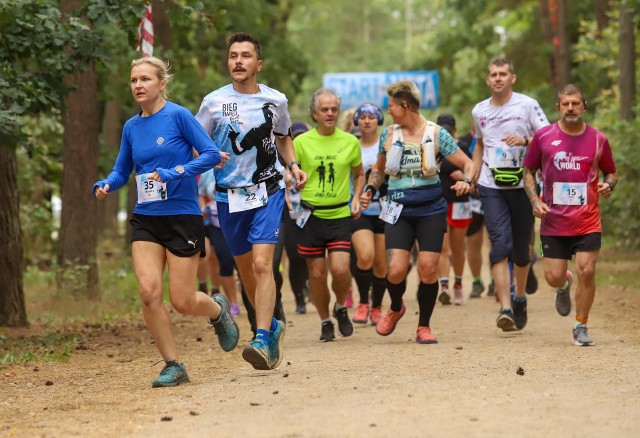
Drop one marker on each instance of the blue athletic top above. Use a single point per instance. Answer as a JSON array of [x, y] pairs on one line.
[[245, 126], [164, 142]]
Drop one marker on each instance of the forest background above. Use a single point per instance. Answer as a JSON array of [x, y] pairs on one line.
[[64, 93]]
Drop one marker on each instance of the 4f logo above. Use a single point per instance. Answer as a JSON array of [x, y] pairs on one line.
[[556, 142]]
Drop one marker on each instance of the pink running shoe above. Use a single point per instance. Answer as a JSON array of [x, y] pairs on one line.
[[349, 300], [362, 314], [458, 295], [388, 323], [375, 315], [424, 336]]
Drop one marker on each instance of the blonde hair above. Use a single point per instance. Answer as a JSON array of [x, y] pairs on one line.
[[405, 91], [162, 70]]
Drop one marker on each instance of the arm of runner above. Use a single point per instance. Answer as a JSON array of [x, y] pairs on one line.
[[376, 179], [478, 153], [515, 140], [285, 150], [605, 188], [358, 187], [539, 207], [460, 160]]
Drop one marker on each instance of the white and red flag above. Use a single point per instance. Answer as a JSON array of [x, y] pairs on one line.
[[145, 33]]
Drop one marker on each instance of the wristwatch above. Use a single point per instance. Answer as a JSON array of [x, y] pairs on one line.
[[290, 165], [467, 180]]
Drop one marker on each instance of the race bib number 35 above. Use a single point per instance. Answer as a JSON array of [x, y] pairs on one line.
[[150, 190], [569, 193], [247, 198]]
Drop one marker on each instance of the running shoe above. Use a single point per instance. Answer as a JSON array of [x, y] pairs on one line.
[[424, 336], [519, 313], [173, 374], [225, 326], [349, 300], [505, 321], [276, 338], [257, 354], [376, 315], [388, 323], [581, 336], [458, 295], [563, 297], [444, 297], [344, 323], [328, 333], [476, 289], [235, 309], [362, 314]]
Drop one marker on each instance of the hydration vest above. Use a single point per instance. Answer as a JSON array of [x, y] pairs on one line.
[[429, 166]]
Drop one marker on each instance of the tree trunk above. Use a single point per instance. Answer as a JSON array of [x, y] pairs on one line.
[[162, 32], [562, 52], [601, 9], [12, 306], [627, 61], [77, 264]]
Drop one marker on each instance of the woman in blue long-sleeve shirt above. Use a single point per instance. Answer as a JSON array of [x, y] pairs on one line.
[[167, 223]]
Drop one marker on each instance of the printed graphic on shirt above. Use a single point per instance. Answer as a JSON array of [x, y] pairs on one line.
[[567, 161], [258, 137]]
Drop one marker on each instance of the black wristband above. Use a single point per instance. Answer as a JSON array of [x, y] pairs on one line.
[[611, 185], [526, 140], [372, 188], [290, 165]]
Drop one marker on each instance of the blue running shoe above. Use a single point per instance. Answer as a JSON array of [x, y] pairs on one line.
[[276, 338], [173, 374], [257, 354], [225, 326]]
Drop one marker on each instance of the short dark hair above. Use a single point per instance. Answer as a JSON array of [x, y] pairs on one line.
[[499, 62], [241, 37], [568, 90]]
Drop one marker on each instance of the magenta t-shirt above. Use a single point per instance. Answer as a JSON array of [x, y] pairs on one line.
[[569, 165]]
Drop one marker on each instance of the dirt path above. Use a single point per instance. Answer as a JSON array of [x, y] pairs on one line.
[[365, 385]]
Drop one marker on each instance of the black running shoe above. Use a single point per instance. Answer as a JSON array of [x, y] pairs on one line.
[[344, 323], [505, 321], [328, 333]]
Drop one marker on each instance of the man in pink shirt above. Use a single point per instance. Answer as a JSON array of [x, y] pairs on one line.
[[570, 155]]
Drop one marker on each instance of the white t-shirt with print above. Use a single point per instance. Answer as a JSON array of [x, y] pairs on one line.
[[521, 116]]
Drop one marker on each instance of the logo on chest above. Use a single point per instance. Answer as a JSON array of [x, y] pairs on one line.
[[567, 161]]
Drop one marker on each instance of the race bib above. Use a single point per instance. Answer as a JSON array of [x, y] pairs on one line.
[[569, 193], [476, 206], [305, 214], [247, 198], [460, 211], [150, 190], [390, 210], [506, 156]]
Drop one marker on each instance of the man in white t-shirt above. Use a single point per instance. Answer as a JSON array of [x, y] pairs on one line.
[[504, 124], [251, 122]]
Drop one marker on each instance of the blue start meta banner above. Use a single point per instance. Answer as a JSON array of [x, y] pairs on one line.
[[358, 88]]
